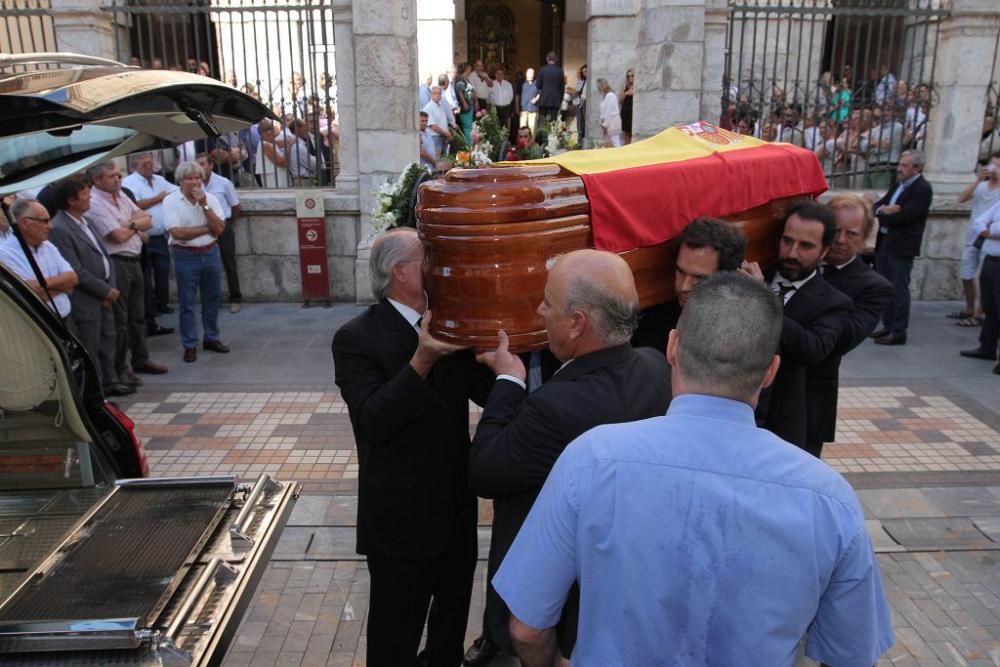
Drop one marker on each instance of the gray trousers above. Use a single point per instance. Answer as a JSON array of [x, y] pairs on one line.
[[98, 338]]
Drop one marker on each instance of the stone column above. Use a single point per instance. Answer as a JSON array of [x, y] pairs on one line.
[[82, 27], [435, 39], [611, 34], [671, 55], [714, 63], [964, 67], [385, 98]]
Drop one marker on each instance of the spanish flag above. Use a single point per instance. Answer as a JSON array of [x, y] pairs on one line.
[[645, 193]]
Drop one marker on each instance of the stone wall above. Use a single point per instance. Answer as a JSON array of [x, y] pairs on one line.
[[267, 252]]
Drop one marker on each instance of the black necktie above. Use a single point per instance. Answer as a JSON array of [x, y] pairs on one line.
[[785, 288]]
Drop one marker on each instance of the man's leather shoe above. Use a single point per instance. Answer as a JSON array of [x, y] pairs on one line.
[[159, 331], [129, 379], [215, 346], [151, 368], [166, 310], [979, 353], [190, 354], [890, 339], [881, 333], [118, 390], [480, 653]]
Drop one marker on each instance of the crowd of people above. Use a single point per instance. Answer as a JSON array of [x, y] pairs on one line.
[[522, 102], [302, 149], [104, 245], [857, 128], [681, 442]]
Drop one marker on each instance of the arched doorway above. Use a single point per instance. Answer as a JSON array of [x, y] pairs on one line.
[[514, 33]]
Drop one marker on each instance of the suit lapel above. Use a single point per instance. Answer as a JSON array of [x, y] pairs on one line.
[[805, 298]]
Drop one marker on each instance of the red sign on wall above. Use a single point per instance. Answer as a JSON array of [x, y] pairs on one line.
[[311, 217]]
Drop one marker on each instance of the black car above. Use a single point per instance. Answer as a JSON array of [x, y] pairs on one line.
[[99, 563]]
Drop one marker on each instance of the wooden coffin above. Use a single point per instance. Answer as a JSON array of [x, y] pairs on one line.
[[492, 233]]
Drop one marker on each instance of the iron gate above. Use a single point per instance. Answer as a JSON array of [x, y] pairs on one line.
[[851, 79]]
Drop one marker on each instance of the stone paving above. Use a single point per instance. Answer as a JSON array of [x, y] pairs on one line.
[[918, 438]]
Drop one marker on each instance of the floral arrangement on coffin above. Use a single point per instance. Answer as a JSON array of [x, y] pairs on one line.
[[560, 137], [479, 157], [524, 151], [394, 199], [488, 136]]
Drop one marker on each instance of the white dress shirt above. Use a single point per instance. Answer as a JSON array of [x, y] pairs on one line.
[[50, 262], [502, 93], [143, 189], [180, 212]]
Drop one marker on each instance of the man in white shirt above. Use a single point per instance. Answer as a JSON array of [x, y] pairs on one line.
[[270, 166], [123, 226], [437, 120], [195, 219], [224, 190], [984, 192], [482, 83], [428, 146], [987, 228], [502, 98], [34, 223], [149, 190]]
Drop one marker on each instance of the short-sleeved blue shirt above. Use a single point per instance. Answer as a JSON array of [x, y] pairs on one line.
[[699, 539]]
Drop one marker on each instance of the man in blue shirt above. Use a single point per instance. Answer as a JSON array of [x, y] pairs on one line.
[[697, 538]]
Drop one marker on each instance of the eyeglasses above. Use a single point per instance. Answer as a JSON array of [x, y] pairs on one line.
[[34, 219]]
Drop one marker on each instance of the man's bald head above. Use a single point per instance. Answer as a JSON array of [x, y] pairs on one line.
[[590, 303]]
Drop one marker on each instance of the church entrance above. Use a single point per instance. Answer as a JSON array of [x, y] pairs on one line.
[[514, 33]]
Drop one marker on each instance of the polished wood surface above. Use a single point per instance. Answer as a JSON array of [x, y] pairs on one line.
[[491, 235]]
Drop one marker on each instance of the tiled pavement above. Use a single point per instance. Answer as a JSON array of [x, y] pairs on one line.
[[918, 437]]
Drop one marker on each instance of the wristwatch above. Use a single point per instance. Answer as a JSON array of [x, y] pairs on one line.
[[206, 207]]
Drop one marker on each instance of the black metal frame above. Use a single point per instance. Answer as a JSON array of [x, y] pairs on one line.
[[817, 36]]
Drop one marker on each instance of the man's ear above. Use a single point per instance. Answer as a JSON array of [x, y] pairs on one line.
[[772, 370], [579, 325], [673, 340]]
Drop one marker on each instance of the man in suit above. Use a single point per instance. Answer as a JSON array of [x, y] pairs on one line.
[[94, 296], [869, 291], [590, 310], [408, 399], [902, 216], [815, 314], [551, 82], [706, 246]]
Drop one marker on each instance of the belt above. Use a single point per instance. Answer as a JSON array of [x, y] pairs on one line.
[[126, 258], [200, 249]]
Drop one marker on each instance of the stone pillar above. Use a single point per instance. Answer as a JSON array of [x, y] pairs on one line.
[[611, 33], [82, 27], [435, 39], [384, 72], [714, 64], [964, 67], [668, 75]]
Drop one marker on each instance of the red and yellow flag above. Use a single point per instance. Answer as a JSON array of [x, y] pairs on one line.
[[647, 192]]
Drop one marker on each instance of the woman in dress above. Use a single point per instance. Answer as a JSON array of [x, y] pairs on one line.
[[611, 120], [628, 90]]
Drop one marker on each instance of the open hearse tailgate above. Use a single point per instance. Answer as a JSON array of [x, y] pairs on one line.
[[159, 571]]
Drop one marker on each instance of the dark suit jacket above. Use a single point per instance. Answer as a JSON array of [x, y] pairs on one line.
[[906, 228], [551, 84], [655, 324], [815, 316], [412, 435], [869, 291], [521, 435], [85, 258]]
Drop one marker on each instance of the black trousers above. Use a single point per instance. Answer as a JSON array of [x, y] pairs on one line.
[[130, 314], [402, 589], [549, 113], [158, 284], [227, 248], [989, 296], [895, 269]]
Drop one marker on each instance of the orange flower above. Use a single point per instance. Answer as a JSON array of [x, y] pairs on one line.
[[462, 156]]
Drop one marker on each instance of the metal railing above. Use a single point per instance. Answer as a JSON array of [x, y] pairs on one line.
[[281, 53], [27, 27], [852, 80]]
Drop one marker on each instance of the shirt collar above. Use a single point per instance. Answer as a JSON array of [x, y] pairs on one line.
[[410, 315], [840, 266], [908, 182], [797, 284], [713, 407]]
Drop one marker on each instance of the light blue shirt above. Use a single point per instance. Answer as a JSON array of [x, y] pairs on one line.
[[699, 539], [989, 221]]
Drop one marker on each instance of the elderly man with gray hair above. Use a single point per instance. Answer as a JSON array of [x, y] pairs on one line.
[[590, 310], [697, 537], [195, 219], [408, 398]]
